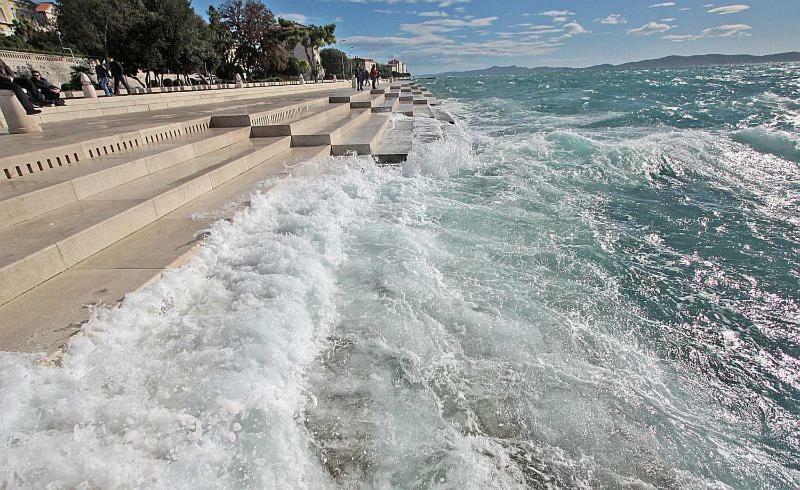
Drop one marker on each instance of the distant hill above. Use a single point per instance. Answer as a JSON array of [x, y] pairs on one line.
[[666, 62]]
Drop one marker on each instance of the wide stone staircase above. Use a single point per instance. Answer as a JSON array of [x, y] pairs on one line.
[[85, 224]]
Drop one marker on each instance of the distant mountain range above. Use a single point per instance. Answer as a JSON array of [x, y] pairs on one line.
[[666, 62]]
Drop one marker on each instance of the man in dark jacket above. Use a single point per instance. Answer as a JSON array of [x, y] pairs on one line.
[[118, 72], [7, 83], [102, 77], [360, 78], [50, 92]]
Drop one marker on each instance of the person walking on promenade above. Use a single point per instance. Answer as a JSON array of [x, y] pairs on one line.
[[373, 74], [50, 92], [7, 83], [360, 78], [103, 77], [118, 72]]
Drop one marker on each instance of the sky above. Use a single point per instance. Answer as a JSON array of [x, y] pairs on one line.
[[444, 35]]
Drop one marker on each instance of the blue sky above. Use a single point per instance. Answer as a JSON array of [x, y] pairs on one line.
[[442, 35]]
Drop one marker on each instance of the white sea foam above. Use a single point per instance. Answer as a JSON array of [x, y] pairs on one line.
[[196, 380]]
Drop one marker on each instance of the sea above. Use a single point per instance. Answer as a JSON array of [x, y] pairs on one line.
[[590, 280]]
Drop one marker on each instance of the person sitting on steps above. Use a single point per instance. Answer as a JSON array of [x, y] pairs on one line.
[[48, 91], [7, 83]]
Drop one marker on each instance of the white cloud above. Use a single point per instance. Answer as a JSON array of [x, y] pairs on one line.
[[680, 38], [729, 9], [665, 4], [648, 29], [727, 30], [556, 13], [613, 19], [559, 20], [437, 13], [668, 19], [574, 28], [299, 18], [445, 25]]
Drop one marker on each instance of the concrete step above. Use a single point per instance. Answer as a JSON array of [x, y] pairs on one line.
[[420, 101], [36, 194], [442, 115], [42, 247], [396, 142], [363, 139], [302, 120], [423, 110], [387, 106], [329, 132], [358, 96], [405, 109], [377, 99], [139, 258]]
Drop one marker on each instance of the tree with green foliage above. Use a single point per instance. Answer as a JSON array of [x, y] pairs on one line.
[[334, 61], [258, 40], [222, 43], [99, 27], [312, 38]]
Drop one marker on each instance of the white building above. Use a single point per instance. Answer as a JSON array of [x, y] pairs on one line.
[[398, 66], [299, 53]]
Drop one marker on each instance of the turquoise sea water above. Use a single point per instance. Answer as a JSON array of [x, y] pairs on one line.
[[590, 281]]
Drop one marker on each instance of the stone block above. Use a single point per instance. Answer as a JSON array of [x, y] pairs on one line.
[[85, 243], [29, 272]]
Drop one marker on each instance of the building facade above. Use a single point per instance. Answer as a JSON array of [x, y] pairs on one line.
[[11, 10], [398, 66]]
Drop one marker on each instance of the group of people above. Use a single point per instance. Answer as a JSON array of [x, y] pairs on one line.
[[363, 75], [32, 92], [108, 72]]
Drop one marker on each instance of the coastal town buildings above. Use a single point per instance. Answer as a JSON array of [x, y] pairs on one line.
[[11, 10]]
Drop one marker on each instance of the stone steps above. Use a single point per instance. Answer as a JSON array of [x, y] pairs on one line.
[[396, 142], [389, 105], [47, 245], [131, 262], [364, 138], [329, 132], [93, 229], [302, 120], [35, 194], [422, 110]]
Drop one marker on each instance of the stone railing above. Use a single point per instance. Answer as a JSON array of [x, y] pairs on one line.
[[24, 56]]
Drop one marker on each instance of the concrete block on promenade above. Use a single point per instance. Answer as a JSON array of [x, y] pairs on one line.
[[230, 121], [17, 120], [88, 242], [88, 87], [178, 196], [29, 272]]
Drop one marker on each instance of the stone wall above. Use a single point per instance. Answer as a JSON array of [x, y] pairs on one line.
[[57, 69]]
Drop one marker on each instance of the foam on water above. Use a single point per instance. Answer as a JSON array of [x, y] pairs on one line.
[[196, 380], [537, 297]]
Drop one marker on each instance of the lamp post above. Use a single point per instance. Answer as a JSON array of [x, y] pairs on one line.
[[344, 74]]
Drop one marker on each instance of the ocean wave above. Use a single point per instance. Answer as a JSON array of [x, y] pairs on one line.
[[775, 142]]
